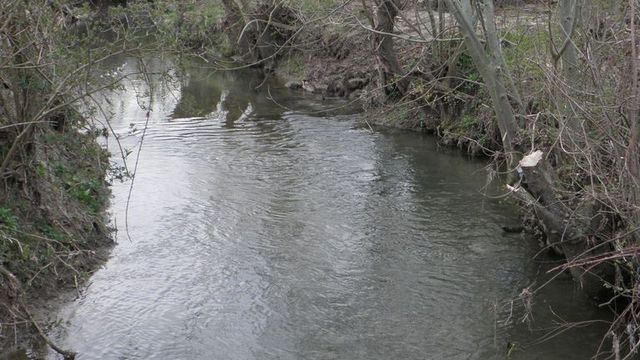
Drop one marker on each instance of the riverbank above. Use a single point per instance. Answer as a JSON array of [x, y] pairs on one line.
[[340, 61], [52, 225], [54, 176]]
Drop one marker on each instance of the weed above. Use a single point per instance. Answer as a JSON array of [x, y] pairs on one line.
[[468, 71], [8, 219], [50, 232], [467, 121], [524, 49], [294, 65]]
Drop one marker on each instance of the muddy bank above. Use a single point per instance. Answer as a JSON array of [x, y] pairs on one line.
[[54, 232]]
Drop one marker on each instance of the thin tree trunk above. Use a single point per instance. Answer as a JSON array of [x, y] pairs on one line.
[[488, 67], [632, 155], [569, 11]]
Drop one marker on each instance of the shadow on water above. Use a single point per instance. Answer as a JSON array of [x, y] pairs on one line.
[[262, 229]]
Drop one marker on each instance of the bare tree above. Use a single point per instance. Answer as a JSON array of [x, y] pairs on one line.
[[541, 184]]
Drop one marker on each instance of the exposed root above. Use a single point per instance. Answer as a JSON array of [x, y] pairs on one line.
[[15, 302], [66, 354]]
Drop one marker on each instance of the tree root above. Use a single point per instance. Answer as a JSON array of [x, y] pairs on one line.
[[66, 354], [16, 288]]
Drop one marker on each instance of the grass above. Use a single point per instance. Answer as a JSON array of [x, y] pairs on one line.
[[525, 49], [8, 220], [312, 7], [294, 65]]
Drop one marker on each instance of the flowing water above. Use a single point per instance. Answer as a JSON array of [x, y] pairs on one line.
[[262, 228]]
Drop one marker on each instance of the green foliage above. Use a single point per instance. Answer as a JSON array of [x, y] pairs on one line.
[[51, 233], [41, 169], [467, 121], [8, 219], [191, 24], [82, 187], [469, 72], [465, 63], [87, 193]]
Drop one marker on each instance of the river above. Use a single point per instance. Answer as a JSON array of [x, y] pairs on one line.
[[261, 227]]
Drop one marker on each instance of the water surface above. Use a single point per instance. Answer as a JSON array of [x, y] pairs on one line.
[[261, 228]]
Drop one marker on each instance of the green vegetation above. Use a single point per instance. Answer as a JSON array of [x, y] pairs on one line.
[[525, 48], [8, 219], [469, 73], [195, 25], [52, 171]]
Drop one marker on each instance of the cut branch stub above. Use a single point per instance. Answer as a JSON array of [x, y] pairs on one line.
[[532, 159]]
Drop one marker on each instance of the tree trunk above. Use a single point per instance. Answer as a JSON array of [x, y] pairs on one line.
[[569, 11], [568, 229], [392, 78]]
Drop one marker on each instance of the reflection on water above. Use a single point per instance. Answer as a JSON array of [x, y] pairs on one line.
[[261, 232]]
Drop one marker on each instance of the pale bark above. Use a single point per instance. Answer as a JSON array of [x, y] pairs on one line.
[[569, 11], [488, 65]]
